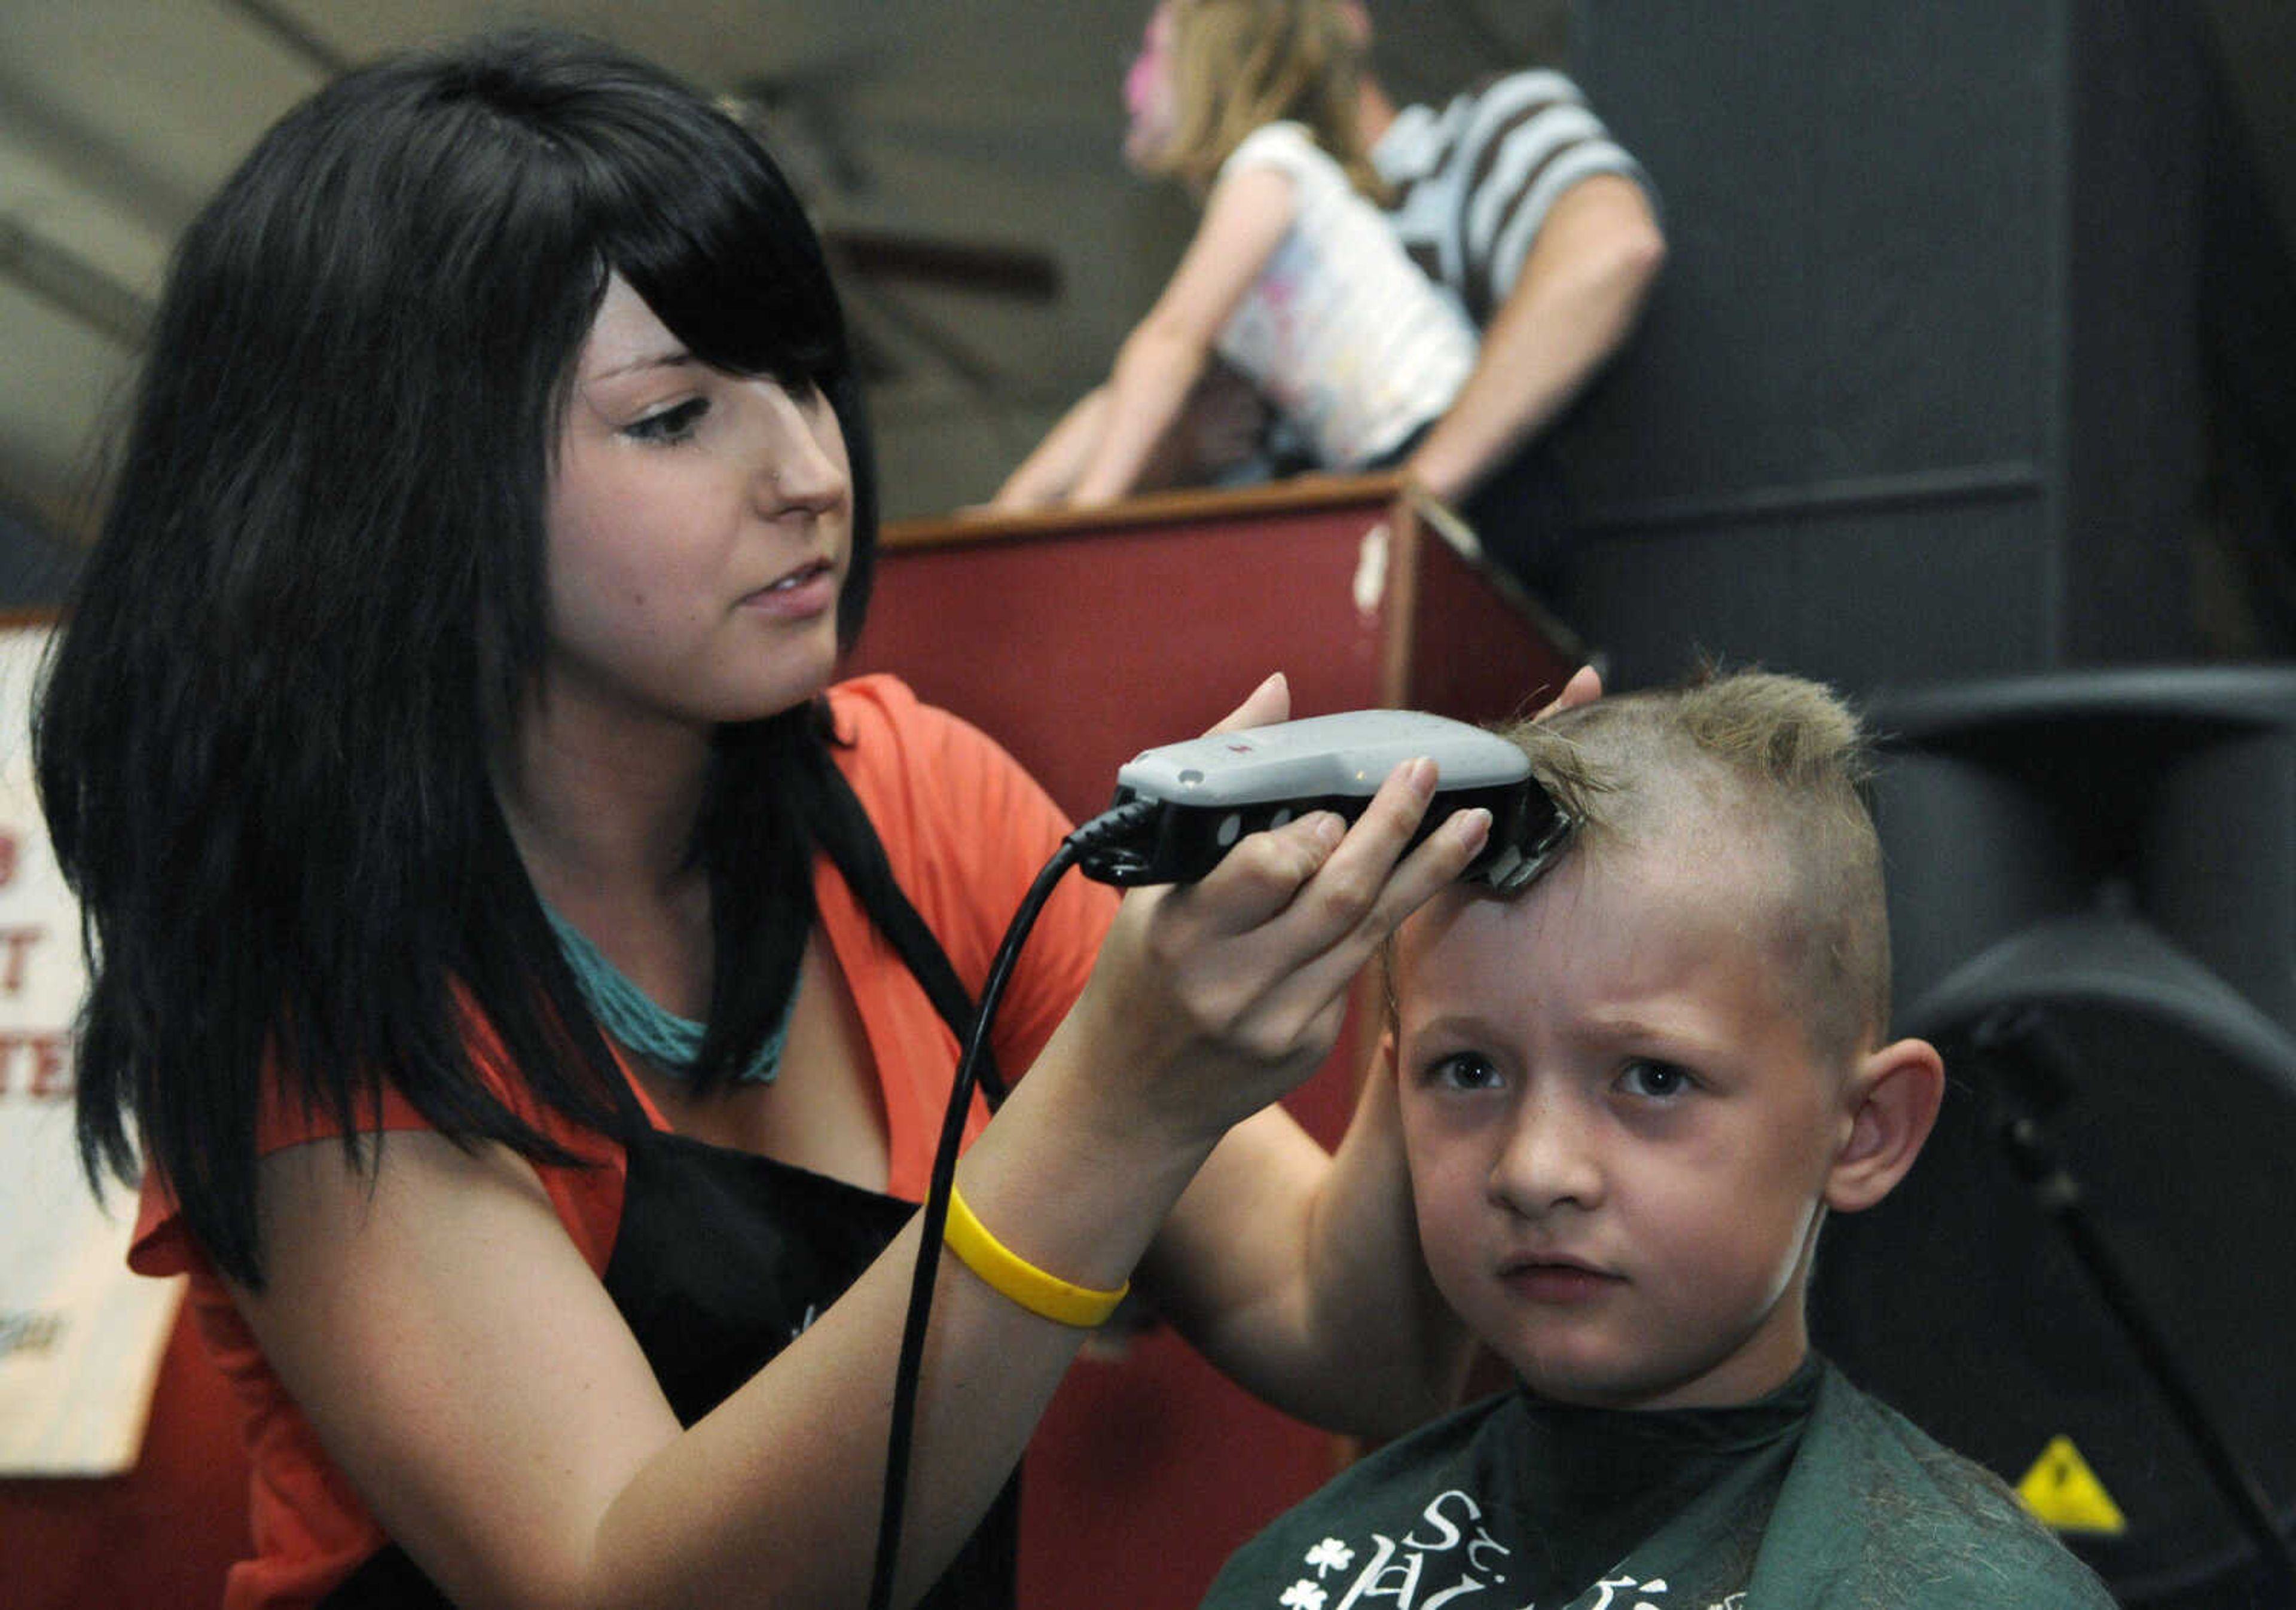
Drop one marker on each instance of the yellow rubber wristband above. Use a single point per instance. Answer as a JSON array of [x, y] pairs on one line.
[[1014, 1277]]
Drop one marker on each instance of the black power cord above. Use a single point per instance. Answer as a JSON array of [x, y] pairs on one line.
[[1086, 846]]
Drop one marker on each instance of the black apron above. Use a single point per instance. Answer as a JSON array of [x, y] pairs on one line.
[[721, 1260]]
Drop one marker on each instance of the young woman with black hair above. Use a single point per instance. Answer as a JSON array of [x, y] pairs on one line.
[[527, 978]]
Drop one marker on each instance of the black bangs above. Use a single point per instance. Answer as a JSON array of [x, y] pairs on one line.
[[661, 186], [729, 262]]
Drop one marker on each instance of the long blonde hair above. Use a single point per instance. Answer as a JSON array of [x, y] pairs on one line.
[[1238, 65]]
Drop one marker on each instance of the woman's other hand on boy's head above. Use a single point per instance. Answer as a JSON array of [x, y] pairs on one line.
[[1266, 705], [1584, 687]]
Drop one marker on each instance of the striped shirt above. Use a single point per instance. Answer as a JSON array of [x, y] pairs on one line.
[[1475, 181]]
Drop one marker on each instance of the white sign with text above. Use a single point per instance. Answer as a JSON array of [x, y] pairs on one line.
[[80, 1337]]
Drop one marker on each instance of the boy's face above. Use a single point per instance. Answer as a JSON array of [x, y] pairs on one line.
[[1619, 1141]]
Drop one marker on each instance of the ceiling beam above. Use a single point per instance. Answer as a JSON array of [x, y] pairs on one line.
[[293, 36], [73, 284]]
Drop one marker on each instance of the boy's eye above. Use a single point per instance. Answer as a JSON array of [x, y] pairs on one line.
[[672, 424], [1463, 1070], [1656, 1079]]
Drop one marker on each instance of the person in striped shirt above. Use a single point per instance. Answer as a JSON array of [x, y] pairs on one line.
[[1515, 197]]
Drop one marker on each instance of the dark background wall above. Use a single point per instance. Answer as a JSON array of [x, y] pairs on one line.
[[1925, 392]]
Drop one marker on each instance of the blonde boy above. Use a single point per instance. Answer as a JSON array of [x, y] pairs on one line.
[[1630, 1096]]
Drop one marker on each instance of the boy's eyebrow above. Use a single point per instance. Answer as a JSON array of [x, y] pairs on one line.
[[1637, 1025], [1450, 1023]]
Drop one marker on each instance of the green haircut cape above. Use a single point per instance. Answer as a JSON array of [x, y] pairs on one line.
[[1815, 1496]]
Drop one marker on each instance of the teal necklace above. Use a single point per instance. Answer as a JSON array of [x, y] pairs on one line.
[[670, 1042]]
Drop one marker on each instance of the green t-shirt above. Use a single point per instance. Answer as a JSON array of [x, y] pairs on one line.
[[1815, 1496]]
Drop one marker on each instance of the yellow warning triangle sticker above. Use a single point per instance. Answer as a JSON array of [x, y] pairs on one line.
[[2063, 1492]]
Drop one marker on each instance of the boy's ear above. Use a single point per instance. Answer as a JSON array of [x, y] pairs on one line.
[[1892, 1098]]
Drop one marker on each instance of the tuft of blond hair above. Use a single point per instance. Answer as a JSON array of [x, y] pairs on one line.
[[1779, 764]]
